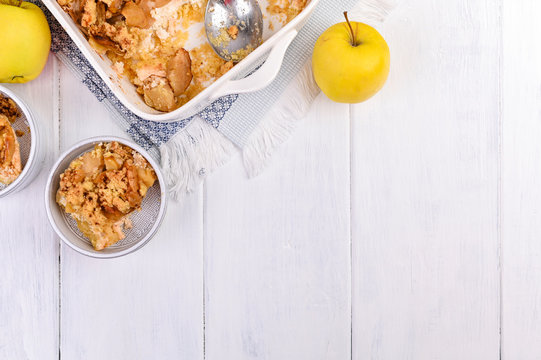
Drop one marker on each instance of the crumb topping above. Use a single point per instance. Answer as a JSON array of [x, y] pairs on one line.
[[9, 109], [286, 10], [233, 31]]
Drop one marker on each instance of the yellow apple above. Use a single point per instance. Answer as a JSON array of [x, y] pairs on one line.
[[25, 40], [351, 62]]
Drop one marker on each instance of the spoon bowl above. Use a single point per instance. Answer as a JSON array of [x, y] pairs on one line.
[[234, 27]]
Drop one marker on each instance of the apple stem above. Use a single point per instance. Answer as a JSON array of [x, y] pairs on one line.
[[353, 35]]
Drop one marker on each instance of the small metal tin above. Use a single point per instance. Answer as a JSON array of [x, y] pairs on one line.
[[145, 222], [31, 146]]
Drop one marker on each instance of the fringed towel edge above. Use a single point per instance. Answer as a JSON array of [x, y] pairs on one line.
[[191, 154], [278, 125]]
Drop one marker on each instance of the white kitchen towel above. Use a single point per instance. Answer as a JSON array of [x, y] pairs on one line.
[[254, 123]]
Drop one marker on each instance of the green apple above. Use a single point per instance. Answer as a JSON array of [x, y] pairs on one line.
[[351, 62], [25, 40]]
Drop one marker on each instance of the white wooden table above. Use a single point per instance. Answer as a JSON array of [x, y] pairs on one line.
[[407, 227]]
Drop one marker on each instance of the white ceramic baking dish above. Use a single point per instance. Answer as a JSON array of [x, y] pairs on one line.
[[233, 82]]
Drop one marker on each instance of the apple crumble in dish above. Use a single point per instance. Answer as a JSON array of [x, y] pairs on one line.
[[160, 45], [101, 188], [10, 154]]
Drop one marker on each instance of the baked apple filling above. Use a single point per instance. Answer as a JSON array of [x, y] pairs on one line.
[[10, 155]]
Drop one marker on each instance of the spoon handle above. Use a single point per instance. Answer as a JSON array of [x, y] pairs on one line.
[[263, 76]]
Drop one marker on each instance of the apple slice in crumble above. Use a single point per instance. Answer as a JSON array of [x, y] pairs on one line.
[[101, 188], [10, 155]]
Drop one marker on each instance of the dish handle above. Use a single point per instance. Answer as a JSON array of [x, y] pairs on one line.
[[264, 75]]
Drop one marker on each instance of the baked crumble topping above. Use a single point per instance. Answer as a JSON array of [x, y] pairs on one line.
[[286, 9], [10, 155], [233, 31], [148, 41], [9, 109], [102, 188]]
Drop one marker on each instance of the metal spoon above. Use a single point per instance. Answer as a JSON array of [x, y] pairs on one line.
[[234, 27]]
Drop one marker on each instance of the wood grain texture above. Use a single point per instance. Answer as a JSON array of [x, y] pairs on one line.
[[277, 249], [521, 176], [388, 252], [425, 189], [29, 255], [148, 305]]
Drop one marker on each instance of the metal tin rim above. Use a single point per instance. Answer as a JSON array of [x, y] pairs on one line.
[[34, 143], [155, 226]]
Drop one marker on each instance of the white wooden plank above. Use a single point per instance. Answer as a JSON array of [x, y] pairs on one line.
[[29, 256], [521, 175], [425, 189], [277, 249], [147, 305]]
